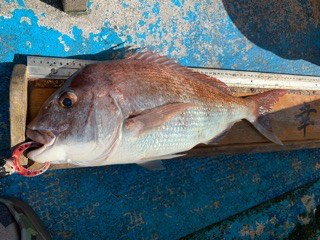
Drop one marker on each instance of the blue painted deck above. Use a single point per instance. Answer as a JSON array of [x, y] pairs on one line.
[[128, 202], [276, 218]]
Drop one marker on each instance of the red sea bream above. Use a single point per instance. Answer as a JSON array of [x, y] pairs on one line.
[[139, 110]]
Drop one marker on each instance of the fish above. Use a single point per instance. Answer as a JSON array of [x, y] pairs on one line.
[[141, 109]]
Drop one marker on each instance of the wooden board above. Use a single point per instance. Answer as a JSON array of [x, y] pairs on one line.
[[295, 120], [18, 106]]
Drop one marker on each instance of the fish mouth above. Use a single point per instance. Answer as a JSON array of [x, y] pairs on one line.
[[41, 136], [46, 138]]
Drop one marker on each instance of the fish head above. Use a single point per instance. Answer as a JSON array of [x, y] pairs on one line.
[[77, 124]]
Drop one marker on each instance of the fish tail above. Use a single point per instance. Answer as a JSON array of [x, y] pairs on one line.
[[263, 103]]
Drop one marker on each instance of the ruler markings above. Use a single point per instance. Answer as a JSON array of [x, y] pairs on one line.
[[61, 68]]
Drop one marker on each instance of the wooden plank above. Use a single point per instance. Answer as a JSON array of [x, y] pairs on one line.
[[37, 96], [295, 119], [18, 106], [283, 119], [285, 122], [243, 137]]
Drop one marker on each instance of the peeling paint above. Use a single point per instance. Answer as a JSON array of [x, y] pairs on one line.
[[292, 214], [273, 220], [252, 231], [25, 19], [304, 219], [29, 44], [66, 48], [135, 219], [296, 165], [159, 29], [195, 36], [317, 166], [308, 202]]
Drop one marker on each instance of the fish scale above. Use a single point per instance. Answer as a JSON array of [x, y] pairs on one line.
[[185, 139], [186, 135]]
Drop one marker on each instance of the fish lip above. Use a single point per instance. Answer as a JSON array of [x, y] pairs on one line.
[[46, 138], [34, 153], [41, 136]]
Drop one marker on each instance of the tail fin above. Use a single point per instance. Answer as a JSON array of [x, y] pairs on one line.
[[264, 102]]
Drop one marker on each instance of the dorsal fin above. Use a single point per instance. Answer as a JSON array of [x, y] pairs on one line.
[[150, 56]]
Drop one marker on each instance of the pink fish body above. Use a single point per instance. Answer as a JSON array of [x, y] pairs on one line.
[[139, 110]]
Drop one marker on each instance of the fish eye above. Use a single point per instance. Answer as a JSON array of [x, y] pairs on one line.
[[67, 99]]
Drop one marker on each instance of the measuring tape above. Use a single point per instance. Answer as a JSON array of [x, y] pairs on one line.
[[61, 68]]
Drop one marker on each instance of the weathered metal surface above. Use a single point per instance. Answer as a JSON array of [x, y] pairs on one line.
[[129, 202], [273, 219]]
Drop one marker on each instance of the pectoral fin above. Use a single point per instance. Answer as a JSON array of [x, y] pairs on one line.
[[155, 117]]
